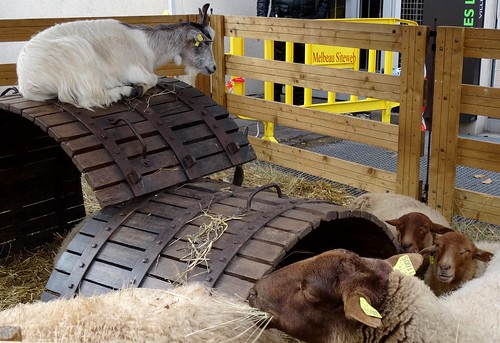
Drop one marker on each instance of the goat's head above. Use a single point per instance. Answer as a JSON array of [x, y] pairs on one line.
[[415, 231], [311, 298], [198, 56], [454, 255]]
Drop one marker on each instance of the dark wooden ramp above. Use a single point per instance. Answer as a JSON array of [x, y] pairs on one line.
[[170, 136], [145, 242]]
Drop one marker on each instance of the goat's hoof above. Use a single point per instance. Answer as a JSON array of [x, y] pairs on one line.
[[140, 89], [134, 92]]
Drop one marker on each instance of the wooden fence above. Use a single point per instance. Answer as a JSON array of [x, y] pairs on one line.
[[408, 89], [405, 139], [451, 97]]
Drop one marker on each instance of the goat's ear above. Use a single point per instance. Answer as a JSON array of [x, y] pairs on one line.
[[203, 16], [428, 250], [482, 255], [405, 262], [440, 229], [358, 307], [199, 37], [394, 222]]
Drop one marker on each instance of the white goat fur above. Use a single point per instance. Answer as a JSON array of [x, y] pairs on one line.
[[190, 313], [95, 63], [387, 206]]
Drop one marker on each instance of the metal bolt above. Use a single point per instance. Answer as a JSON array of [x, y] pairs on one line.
[[159, 242], [81, 265], [222, 259], [208, 279], [146, 260], [108, 228], [94, 245], [71, 285]]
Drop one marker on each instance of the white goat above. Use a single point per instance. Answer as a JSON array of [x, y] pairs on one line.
[[339, 296], [94, 63], [190, 313]]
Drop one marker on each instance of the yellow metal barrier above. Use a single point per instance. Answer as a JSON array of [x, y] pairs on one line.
[[333, 57]]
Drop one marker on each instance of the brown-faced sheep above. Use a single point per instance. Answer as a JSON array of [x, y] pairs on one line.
[[338, 296], [456, 259], [408, 219], [416, 231], [190, 313]]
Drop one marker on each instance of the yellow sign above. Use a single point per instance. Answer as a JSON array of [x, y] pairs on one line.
[[334, 56]]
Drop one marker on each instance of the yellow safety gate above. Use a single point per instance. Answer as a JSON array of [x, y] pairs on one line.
[[329, 56]]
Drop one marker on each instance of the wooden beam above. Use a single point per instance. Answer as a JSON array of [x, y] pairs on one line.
[[446, 111], [373, 85], [348, 173], [410, 113], [371, 132], [336, 33]]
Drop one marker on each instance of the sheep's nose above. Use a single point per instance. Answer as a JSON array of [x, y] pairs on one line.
[[444, 267], [407, 247]]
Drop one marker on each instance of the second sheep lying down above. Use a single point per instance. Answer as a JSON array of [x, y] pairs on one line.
[[339, 296], [412, 221], [456, 260], [190, 313]]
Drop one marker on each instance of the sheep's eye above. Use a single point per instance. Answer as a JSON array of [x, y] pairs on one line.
[[302, 285], [464, 252]]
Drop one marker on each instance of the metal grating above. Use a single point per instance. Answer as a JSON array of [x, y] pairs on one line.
[[413, 10]]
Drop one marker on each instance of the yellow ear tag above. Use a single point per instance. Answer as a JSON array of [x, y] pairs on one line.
[[368, 309], [404, 265], [431, 259]]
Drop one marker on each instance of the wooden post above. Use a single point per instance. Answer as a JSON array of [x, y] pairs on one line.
[[410, 116], [219, 77], [446, 118]]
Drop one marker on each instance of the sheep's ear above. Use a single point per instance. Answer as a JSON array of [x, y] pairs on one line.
[[394, 222], [357, 307], [482, 255], [440, 229], [406, 263], [429, 250], [203, 16]]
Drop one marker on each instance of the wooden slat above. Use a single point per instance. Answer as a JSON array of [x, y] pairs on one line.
[[412, 100], [352, 174], [449, 65], [324, 123], [219, 77], [373, 85], [480, 100], [485, 208], [482, 43], [18, 30], [478, 154], [362, 35]]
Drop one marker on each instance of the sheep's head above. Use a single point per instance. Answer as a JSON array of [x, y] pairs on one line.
[[454, 255], [312, 298], [415, 231]]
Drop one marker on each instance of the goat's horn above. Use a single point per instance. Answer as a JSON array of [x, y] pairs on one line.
[[204, 19]]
